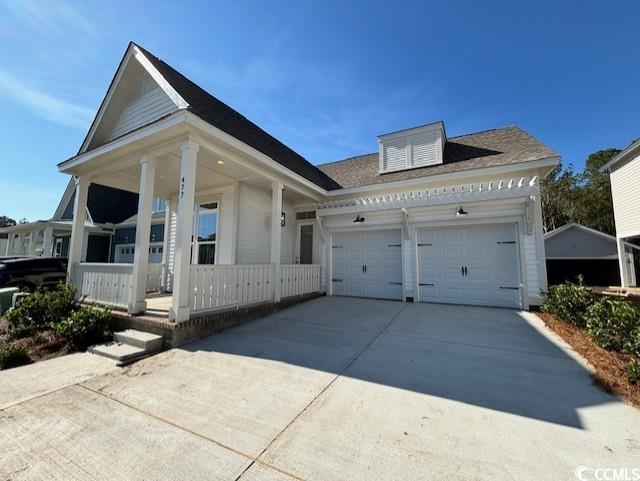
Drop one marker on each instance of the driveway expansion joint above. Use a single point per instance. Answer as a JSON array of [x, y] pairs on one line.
[[321, 392]]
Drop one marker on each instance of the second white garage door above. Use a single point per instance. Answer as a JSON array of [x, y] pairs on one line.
[[367, 264], [475, 265]]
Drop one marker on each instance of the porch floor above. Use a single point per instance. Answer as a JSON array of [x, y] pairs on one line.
[[159, 304]]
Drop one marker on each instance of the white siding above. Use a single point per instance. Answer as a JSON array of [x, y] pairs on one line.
[[625, 182], [254, 225], [150, 105], [532, 265]]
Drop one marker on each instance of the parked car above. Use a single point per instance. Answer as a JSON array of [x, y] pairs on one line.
[[33, 273]]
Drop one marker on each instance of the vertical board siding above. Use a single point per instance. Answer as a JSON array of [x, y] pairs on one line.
[[108, 284], [624, 190], [532, 263], [254, 225], [151, 105]]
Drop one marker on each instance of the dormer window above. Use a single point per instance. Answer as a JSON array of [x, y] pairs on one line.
[[412, 148]]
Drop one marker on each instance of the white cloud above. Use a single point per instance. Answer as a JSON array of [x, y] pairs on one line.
[[52, 18], [43, 104]]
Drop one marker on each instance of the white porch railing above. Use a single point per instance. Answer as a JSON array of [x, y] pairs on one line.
[[299, 279], [154, 277], [108, 284], [217, 286]]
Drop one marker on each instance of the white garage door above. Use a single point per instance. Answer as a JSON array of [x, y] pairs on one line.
[[475, 265], [367, 264]]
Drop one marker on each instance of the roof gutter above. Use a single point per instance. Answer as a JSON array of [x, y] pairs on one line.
[[621, 156]]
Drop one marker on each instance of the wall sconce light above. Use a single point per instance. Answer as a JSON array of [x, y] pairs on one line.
[[358, 219], [283, 219], [153, 237], [461, 212]]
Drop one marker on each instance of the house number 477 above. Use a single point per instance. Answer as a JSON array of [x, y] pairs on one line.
[[182, 187]]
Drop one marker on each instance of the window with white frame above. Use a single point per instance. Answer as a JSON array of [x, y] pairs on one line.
[[205, 225]]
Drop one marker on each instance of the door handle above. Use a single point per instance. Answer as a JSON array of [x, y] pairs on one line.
[[365, 268], [462, 270], [466, 272]]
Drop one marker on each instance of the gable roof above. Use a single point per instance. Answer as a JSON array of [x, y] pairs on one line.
[[490, 148], [575, 225], [504, 146], [105, 205], [632, 149], [220, 115]]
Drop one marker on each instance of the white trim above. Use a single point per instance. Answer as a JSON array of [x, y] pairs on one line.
[[625, 154], [132, 51], [155, 127]]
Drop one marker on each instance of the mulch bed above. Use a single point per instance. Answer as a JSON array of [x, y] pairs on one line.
[[609, 366], [44, 345]]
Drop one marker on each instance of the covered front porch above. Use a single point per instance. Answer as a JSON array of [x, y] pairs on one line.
[[231, 238]]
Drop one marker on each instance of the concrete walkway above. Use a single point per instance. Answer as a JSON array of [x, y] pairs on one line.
[[333, 389]]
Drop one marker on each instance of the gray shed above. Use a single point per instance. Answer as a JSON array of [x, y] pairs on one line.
[[574, 249]]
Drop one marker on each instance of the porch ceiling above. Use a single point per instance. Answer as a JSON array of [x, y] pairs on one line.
[[211, 173]]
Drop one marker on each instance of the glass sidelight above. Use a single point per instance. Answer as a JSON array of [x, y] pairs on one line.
[[205, 225]]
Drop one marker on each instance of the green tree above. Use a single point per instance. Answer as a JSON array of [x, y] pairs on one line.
[[583, 197], [6, 221]]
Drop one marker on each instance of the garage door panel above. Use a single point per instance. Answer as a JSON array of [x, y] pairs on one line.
[[490, 256], [380, 252]]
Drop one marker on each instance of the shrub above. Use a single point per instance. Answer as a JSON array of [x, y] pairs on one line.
[[569, 302], [13, 356], [633, 371], [84, 327], [41, 310], [614, 324]]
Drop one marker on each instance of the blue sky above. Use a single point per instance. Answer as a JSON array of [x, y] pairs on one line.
[[324, 77]]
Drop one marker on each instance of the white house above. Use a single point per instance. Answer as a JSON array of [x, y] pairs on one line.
[[624, 170], [426, 218], [106, 208]]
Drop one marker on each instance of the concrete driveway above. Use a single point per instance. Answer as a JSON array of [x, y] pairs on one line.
[[333, 389]]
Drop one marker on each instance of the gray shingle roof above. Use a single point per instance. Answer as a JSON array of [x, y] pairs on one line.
[[490, 148]]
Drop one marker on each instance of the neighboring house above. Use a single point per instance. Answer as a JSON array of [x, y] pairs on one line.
[[574, 250], [426, 218], [106, 206], [624, 170], [4, 244]]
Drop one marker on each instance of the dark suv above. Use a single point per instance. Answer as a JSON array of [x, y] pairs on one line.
[[32, 273]]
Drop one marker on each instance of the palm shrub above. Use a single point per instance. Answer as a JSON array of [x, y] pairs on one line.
[[569, 301], [84, 327], [614, 324]]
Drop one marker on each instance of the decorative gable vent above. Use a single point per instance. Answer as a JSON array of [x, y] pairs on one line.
[[408, 149]]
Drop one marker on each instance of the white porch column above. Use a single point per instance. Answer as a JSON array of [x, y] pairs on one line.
[[276, 237], [622, 262], [77, 227], [184, 229], [137, 304], [47, 243]]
